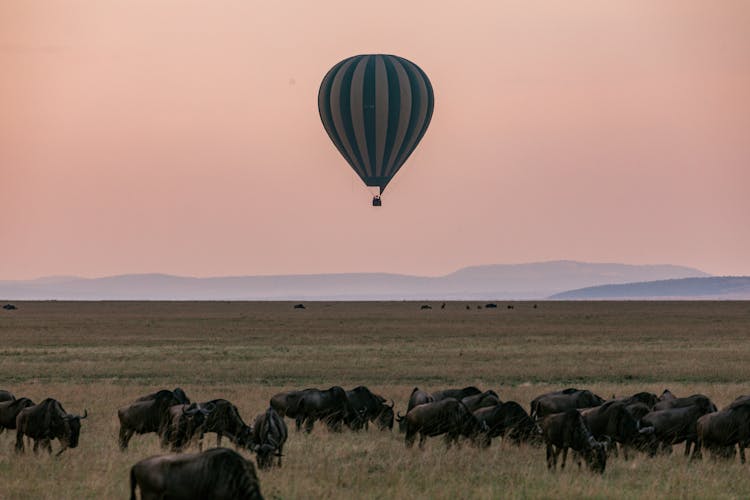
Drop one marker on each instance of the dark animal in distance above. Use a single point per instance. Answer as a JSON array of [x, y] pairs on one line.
[[215, 474], [45, 422], [560, 401], [456, 393], [510, 306], [490, 306], [426, 306], [569, 430], [9, 411], [448, 416], [6, 396], [269, 435], [9, 307], [299, 306]]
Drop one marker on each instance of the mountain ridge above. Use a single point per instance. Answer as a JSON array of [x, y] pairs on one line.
[[535, 280]]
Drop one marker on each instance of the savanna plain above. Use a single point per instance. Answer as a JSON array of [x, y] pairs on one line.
[[101, 355]]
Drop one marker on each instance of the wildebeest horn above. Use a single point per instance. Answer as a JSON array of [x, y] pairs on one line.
[[399, 417], [85, 413]]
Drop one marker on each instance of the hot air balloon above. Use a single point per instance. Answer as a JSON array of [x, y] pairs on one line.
[[376, 108]]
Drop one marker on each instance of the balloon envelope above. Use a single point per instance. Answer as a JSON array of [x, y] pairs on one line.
[[376, 108]]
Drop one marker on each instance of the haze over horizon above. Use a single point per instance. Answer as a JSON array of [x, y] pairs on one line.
[[183, 137]]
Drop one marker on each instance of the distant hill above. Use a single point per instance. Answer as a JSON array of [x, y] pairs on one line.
[[506, 281], [720, 288]]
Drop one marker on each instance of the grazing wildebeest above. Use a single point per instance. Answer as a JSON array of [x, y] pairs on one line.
[[569, 430], [369, 407], [483, 400], [490, 306], [184, 423], [9, 411], [6, 396], [215, 474], [148, 414], [223, 418], [45, 422], [269, 436], [613, 420], [720, 431], [510, 421], [417, 397], [740, 401], [426, 306], [287, 403], [330, 406], [448, 416], [673, 426], [9, 307], [299, 306], [560, 401], [699, 400]]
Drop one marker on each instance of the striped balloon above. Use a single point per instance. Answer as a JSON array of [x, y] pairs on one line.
[[376, 108]]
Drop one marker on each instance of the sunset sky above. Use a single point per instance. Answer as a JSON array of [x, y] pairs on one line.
[[183, 137]]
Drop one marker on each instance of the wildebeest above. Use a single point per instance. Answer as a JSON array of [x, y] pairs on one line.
[[456, 393], [9, 411], [6, 396], [483, 400], [417, 397], [647, 398], [223, 418], [330, 406], [560, 401], [490, 306], [510, 421], [148, 414], [719, 431], [45, 422], [183, 424], [9, 307], [673, 426], [299, 306], [448, 416], [426, 306], [613, 420], [286, 403], [569, 430], [699, 400], [666, 395], [269, 436], [370, 407], [215, 474]]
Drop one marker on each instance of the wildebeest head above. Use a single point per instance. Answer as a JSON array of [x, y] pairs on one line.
[[596, 455], [385, 419], [180, 396], [72, 429]]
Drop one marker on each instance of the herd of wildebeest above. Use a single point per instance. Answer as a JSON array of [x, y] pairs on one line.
[[571, 418]]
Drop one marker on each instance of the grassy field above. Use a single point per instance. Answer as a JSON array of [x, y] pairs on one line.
[[102, 355]]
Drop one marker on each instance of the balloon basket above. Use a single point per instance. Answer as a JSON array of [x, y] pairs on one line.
[[376, 202]]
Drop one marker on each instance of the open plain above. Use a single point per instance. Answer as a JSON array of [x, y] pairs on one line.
[[102, 355]]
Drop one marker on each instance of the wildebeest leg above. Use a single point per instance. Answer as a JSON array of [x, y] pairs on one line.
[[688, 442], [36, 446], [19, 441], [697, 454], [218, 439], [422, 438], [298, 422], [625, 449], [742, 452], [550, 457], [125, 435], [565, 457], [309, 424], [409, 439]]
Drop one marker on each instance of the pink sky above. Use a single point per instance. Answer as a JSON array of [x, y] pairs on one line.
[[183, 137]]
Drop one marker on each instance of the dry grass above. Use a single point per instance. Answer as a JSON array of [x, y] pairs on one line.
[[102, 355]]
